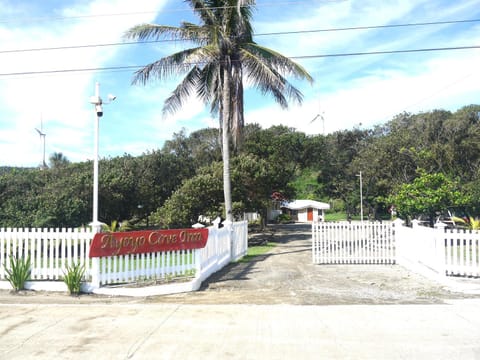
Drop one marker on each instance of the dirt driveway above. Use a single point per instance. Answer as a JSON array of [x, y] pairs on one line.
[[286, 275]]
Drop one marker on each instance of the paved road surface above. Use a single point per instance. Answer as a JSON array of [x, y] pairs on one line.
[[176, 331]]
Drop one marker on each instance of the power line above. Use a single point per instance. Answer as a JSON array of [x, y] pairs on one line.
[[133, 13], [449, 22], [83, 46], [388, 52], [356, 28], [134, 67], [60, 71]]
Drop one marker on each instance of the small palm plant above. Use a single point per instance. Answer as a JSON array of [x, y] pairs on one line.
[[116, 226], [19, 272], [73, 277], [471, 222]]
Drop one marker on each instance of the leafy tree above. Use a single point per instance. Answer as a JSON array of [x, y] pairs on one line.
[[200, 148], [427, 194], [336, 171], [215, 68], [158, 175], [254, 181], [253, 185], [315, 154], [117, 188], [463, 142], [65, 197], [282, 148], [19, 193], [306, 184], [200, 195]]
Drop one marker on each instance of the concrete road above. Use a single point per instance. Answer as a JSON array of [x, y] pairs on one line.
[[175, 331]]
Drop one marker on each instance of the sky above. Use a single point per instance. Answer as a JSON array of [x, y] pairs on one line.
[[53, 52]]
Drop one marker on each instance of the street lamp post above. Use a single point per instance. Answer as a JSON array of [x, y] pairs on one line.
[[96, 100], [361, 196]]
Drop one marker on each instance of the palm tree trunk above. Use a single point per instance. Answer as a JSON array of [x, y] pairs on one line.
[[227, 187]]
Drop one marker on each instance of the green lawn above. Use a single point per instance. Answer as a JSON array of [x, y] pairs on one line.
[[254, 251], [338, 216]]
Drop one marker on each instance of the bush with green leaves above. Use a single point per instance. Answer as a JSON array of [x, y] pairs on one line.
[[73, 277], [18, 272], [284, 219]]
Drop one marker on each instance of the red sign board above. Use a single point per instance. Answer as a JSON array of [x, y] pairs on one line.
[[141, 242]]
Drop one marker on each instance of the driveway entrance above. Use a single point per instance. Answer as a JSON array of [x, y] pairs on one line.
[[286, 275]]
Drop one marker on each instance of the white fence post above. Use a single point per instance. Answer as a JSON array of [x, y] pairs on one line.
[[95, 269], [439, 241]]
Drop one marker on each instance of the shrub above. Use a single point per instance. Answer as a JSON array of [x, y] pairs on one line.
[[284, 218], [73, 278], [19, 272]]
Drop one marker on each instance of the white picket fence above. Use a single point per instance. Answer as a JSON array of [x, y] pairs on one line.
[[462, 255], [451, 252], [51, 251], [352, 243]]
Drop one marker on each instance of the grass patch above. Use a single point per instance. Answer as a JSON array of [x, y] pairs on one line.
[[254, 251], [337, 216]]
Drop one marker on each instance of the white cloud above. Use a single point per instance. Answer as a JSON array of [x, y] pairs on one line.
[[444, 83], [348, 90], [61, 99]]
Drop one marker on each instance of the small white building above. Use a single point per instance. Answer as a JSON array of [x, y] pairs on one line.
[[306, 210]]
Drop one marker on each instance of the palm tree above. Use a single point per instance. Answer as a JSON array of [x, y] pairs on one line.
[[57, 160], [215, 68]]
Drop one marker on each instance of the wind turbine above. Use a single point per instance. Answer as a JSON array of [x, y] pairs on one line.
[[321, 118], [42, 139]]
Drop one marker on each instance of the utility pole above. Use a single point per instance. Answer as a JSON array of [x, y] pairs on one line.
[[361, 197]]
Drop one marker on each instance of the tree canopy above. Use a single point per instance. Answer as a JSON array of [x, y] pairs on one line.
[[405, 162]]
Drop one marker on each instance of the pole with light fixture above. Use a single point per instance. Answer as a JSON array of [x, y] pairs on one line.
[[361, 196], [96, 100]]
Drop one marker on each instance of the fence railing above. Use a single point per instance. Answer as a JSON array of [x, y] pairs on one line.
[[444, 251], [352, 243], [419, 249], [52, 251], [462, 252], [157, 266]]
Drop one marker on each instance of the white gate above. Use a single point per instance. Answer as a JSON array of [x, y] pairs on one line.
[[353, 243]]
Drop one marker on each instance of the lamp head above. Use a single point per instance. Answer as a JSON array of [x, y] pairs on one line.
[[99, 110]]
